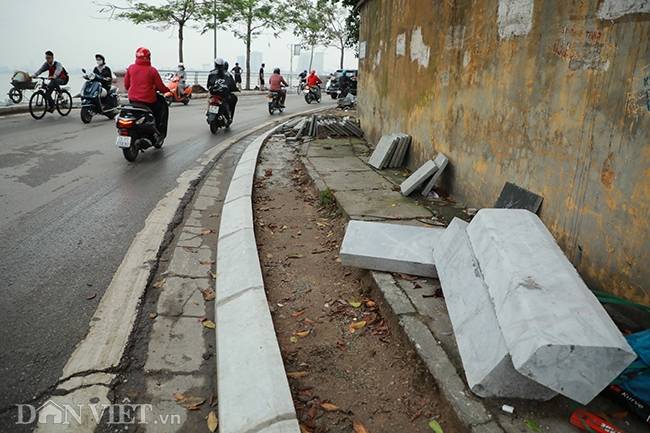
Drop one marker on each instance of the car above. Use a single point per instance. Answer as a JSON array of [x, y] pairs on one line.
[[332, 86]]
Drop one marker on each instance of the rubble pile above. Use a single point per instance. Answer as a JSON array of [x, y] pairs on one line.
[[321, 126]]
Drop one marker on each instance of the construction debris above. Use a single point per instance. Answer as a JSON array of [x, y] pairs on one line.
[[390, 151], [321, 126]]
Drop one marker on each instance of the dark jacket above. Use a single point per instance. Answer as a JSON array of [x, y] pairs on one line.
[[221, 83], [106, 74]]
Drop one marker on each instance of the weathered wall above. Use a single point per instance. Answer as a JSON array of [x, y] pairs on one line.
[[552, 95]]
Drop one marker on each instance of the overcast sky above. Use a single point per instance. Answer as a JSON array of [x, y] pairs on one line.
[[74, 30]]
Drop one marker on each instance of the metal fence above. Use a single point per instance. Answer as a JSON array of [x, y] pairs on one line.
[[201, 77]]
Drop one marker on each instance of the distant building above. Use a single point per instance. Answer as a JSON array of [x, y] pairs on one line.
[[257, 59], [317, 62]]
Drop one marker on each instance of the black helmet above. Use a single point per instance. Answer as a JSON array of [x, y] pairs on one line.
[[276, 71], [225, 65], [101, 57]]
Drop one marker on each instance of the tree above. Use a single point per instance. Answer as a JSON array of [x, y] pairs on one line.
[[311, 24], [352, 21], [337, 30], [249, 18], [178, 13]]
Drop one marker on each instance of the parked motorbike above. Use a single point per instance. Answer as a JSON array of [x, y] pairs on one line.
[[218, 114], [274, 102], [95, 99], [312, 93], [175, 95], [136, 130]]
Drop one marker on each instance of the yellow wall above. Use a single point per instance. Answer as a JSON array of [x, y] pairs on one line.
[[550, 95]]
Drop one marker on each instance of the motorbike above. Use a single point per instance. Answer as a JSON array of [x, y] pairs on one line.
[[274, 102], [176, 95], [218, 114], [136, 130], [95, 99], [312, 93]]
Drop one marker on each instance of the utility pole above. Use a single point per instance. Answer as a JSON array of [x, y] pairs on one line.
[[215, 28]]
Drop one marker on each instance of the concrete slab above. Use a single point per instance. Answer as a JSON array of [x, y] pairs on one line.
[[239, 187], [238, 266], [185, 262], [339, 164], [516, 197], [486, 361], [236, 215], [383, 151], [354, 180], [390, 247], [345, 151], [204, 202], [178, 295], [399, 152], [210, 191], [418, 177], [441, 162], [80, 402], [556, 331], [91, 379], [286, 426], [398, 301], [176, 344], [359, 204], [190, 237], [249, 364], [160, 395]]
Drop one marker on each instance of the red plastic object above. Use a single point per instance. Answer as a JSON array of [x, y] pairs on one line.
[[596, 424]]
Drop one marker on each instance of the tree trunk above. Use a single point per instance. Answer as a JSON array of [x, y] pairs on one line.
[[342, 51], [248, 49], [311, 57], [180, 41]]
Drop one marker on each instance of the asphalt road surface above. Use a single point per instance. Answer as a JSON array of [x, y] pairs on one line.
[[70, 206]]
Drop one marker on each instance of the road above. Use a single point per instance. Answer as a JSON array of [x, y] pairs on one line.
[[70, 206]]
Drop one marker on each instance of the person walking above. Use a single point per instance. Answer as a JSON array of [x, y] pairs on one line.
[[237, 73], [262, 77]]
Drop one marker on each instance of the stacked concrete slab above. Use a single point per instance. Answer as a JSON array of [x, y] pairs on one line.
[[441, 162], [391, 151], [555, 330]]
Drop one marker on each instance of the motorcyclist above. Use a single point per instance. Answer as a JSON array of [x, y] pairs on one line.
[[103, 71], [344, 83], [222, 83], [275, 85], [313, 80], [141, 81], [57, 74], [182, 77]]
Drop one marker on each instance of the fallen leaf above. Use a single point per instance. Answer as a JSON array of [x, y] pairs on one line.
[[191, 249], [206, 232], [91, 297], [417, 414], [206, 262], [294, 227], [341, 346], [293, 339], [193, 407], [619, 415], [312, 411], [201, 319], [354, 326], [435, 426], [295, 256], [213, 400], [153, 315], [208, 294], [408, 277], [303, 333], [213, 421], [286, 280], [132, 395], [214, 277], [371, 304], [393, 205], [417, 286], [354, 302], [159, 284], [359, 427], [209, 324], [329, 406], [347, 274], [298, 313], [179, 396], [269, 256], [298, 374], [603, 416], [531, 425], [291, 292], [304, 429], [191, 402]]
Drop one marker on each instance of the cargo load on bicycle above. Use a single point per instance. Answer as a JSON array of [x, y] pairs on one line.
[[22, 81]]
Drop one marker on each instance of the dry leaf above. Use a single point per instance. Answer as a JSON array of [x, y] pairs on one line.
[[298, 313], [347, 274], [153, 315], [359, 427], [206, 262], [312, 411], [298, 374], [179, 396], [417, 414], [341, 346], [214, 277], [213, 400], [159, 284], [619, 415], [91, 297], [304, 429], [295, 256], [208, 294], [191, 402], [303, 333], [193, 407], [201, 319], [408, 277], [206, 232], [329, 406], [209, 324], [354, 326], [191, 249], [356, 303], [213, 422], [370, 304]]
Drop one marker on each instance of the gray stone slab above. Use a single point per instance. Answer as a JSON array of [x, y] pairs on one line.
[[516, 197], [249, 364], [339, 164], [403, 152], [186, 263], [286, 426], [91, 379], [401, 142], [160, 395], [210, 191], [331, 152], [354, 180], [556, 331], [383, 151], [239, 187], [418, 177], [359, 204], [238, 266], [441, 162], [203, 203], [486, 361], [236, 215], [176, 344], [177, 296], [190, 237], [390, 247]]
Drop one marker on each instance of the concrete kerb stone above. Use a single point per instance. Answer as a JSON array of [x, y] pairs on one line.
[[238, 266], [236, 216]]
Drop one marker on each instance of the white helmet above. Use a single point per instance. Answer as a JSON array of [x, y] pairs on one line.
[[181, 66], [219, 61]]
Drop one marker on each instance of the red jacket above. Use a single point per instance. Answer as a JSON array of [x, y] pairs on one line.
[[313, 79], [275, 82], [142, 80]]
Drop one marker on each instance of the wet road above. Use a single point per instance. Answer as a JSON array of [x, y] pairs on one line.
[[70, 206]]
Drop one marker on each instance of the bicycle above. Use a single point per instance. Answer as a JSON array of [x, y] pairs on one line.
[[38, 103]]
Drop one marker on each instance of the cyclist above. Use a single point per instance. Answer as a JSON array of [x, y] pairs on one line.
[[57, 75], [275, 85]]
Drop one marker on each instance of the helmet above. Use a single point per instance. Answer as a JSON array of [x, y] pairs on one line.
[[276, 71], [143, 53], [181, 66], [225, 65], [313, 71], [219, 62], [305, 70], [343, 72], [101, 57]]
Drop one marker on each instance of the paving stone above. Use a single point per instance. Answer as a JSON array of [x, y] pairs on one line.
[[177, 296], [190, 238], [339, 164], [360, 204], [354, 180], [441, 162], [186, 263], [390, 247], [210, 191], [556, 331], [176, 344], [160, 395], [400, 150], [486, 361], [330, 151], [249, 363], [236, 215], [418, 177], [203, 203], [383, 151], [237, 272], [83, 397]]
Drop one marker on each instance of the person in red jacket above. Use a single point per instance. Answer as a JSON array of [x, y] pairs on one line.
[[313, 80], [141, 81], [275, 85]]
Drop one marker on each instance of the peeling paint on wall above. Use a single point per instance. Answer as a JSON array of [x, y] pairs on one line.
[[400, 44], [612, 9], [419, 51], [583, 49], [515, 17], [467, 57], [377, 60], [455, 37]]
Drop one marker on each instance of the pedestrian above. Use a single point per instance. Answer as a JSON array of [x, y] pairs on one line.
[[262, 77], [237, 72]]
